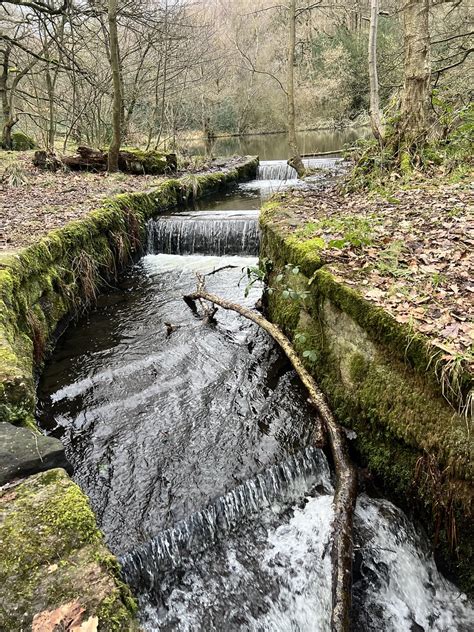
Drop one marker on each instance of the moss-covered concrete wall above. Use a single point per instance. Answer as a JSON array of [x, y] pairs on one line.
[[55, 567], [380, 380]]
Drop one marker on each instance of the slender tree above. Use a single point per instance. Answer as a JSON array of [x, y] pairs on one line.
[[114, 147], [295, 157], [375, 113]]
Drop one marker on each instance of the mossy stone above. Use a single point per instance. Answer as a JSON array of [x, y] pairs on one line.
[[52, 553], [22, 142], [380, 381]]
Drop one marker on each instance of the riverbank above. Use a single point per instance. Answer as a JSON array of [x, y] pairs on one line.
[[33, 202], [375, 293], [58, 568]]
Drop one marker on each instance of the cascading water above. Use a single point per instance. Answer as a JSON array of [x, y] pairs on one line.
[[193, 444], [276, 170], [225, 233], [277, 484], [281, 170], [276, 175]]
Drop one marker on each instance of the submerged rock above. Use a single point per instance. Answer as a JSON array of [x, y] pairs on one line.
[[55, 567], [24, 452]]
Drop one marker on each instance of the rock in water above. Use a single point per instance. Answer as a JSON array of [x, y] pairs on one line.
[[24, 452]]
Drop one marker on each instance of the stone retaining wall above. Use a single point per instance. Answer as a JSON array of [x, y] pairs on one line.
[[381, 381]]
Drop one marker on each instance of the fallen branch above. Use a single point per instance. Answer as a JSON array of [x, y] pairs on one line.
[[346, 484], [326, 153]]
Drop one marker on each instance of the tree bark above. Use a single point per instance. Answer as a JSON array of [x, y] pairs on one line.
[[8, 120], [294, 158], [415, 107], [117, 88], [375, 113], [346, 481]]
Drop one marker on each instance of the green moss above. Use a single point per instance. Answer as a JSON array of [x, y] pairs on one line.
[[307, 254], [22, 142], [114, 614], [405, 163], [270, 211], [49, 544], [149, 162], [64, 523]]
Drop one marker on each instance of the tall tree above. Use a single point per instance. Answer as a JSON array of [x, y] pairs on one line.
[[375, 113], [295, 157], [416, 95], [114, 147]]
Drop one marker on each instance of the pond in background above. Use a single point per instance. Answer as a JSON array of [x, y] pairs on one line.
[[275, 146]]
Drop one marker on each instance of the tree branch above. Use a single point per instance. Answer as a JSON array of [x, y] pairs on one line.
[[346, 483], [41, 7], [438, 71]]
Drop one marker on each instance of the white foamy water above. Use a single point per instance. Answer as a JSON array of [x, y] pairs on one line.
[[270, 574], [211, 235], [401, 587]]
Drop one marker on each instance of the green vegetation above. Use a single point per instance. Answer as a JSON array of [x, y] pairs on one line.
[[22, 142], [336, 232], [448, 155], [52, 553]]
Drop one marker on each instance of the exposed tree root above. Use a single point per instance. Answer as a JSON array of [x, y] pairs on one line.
[[346, 482]]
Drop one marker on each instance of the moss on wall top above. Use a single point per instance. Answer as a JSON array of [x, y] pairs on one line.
[[53, 554], [287, 245]]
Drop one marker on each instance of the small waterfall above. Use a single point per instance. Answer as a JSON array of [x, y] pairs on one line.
[[321, 163], [192, 235], [281, 170], [142, 567], [275, 170]]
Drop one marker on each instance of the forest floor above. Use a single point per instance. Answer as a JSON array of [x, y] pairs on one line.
[[33, 202], [410, 251]]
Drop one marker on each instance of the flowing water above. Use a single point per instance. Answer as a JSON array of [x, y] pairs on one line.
[[193, 443]]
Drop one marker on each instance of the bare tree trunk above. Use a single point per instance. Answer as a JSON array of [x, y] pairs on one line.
[[7, 97], [117, 88], [165, 79], [375, 113], [7, 120], [294, 158], [346, 483], [415, 108], [51, 114]]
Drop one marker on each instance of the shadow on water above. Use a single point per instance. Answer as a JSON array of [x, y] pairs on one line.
[[193, 443]]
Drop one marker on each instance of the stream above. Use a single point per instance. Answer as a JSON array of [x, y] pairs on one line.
[[193, 443]]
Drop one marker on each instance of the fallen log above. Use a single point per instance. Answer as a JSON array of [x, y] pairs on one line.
[[134, 161], [346, 481]]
